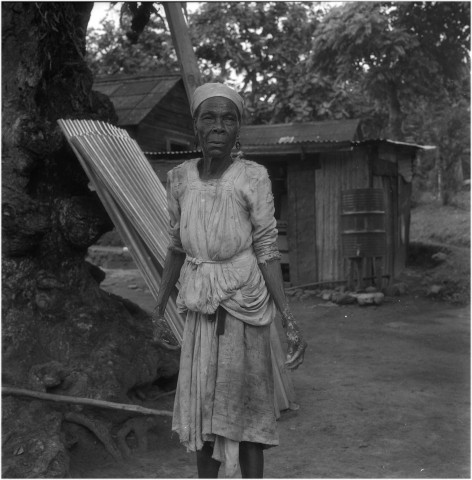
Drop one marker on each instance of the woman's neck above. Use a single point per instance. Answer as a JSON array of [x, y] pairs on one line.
[[213, 168]]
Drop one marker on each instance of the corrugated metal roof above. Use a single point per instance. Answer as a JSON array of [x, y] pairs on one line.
[[326, 131], [134, 96], [283, 149], [396, 142]]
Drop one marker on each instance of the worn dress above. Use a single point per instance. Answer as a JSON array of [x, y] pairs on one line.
[[226, 226]]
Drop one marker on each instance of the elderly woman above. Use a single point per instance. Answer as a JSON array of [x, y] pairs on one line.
[[223, 247]]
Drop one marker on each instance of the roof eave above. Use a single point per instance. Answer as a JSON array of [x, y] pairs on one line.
[[283, 149], [396, 143]]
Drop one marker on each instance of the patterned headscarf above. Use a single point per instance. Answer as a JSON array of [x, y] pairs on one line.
[[209, 90]]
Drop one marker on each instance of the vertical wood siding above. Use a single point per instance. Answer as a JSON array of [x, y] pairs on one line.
[[170, 119], [301, 179], [404, 209], [339, 171], [385, 183]]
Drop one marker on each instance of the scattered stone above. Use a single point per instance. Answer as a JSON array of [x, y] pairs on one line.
[[371, 289], [435, 289], [343, 298], [439, 257], [326, 295], [370, 298], [132, 286]]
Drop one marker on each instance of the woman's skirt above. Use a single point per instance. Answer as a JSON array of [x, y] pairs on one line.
[[225, 388]]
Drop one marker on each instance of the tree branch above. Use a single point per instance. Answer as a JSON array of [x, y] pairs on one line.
[[22, 392]]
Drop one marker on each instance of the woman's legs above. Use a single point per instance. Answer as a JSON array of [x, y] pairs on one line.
[[251, 460], [207, 466]]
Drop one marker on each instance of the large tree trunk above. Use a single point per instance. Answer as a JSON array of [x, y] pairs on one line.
[[61, 332]]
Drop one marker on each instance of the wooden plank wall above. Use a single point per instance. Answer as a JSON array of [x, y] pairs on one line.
[[301, 228], [170, 119], [404, 212], [339, 171], [397, 187], [386, 184]]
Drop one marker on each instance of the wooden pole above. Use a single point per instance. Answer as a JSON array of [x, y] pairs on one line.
[[91, 402], [183, 46]]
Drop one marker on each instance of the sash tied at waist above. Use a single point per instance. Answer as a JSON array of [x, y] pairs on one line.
[[235, 283], [198, 261]]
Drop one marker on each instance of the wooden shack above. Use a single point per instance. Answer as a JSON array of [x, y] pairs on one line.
[[311, 165], [153, 108], [323, 160]]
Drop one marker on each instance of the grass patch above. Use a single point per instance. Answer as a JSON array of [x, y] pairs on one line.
[[442, 229], [440, 224]]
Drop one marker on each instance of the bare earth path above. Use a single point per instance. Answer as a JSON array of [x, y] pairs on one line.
[[383, 393]]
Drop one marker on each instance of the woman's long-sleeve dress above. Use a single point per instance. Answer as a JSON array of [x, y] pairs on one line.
[[225, 391]]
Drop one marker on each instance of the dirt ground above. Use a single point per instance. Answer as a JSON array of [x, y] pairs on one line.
[[384, 393]]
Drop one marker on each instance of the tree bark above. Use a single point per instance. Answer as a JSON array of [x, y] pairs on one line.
[[61, 333]]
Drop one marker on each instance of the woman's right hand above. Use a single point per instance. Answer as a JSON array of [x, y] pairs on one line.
[[157, 318]]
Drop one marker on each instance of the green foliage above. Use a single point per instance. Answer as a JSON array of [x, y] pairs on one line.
[[263, 48], [444, 123], [116, 48], [398, 52]]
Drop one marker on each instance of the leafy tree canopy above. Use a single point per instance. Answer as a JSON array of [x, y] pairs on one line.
[[396, 51], [138, 42], [264, 49], [261, 48]]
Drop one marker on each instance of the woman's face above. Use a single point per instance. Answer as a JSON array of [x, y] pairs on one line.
[[217, 126]]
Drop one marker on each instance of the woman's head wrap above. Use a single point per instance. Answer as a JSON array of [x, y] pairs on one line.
[[209, 90]]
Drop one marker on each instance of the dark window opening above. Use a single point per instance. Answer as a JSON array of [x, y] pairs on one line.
[[175, 145]]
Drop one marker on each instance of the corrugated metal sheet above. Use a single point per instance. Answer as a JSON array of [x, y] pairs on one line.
[[134, 96], [296, 147], [276, 134], [395, 142]]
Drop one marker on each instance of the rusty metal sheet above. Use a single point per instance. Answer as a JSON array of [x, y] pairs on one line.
[[326, 131]]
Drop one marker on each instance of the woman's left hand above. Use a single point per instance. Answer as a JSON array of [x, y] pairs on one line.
[[296, 344]]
